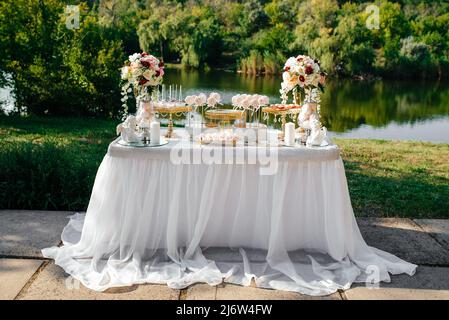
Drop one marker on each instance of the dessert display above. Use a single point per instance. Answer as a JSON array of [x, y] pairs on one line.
[[218, 138]]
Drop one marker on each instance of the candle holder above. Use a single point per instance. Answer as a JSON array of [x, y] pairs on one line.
[[170, 111], [293, 111]]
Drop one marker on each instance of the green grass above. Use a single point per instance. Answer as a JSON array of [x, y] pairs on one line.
[[396, 178], [50, 164]]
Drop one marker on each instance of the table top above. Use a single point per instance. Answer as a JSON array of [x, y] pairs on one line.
[[179, 146]]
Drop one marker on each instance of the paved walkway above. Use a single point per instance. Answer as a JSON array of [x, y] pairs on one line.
[[25, 274]]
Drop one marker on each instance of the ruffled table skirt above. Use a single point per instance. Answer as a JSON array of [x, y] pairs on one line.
[[150, 220]]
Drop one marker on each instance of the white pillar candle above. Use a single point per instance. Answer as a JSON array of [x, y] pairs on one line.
[[155, 132], [180, 93], [289, 137]]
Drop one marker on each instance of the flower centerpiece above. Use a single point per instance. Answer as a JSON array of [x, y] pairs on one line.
[[303, 77], [141, 74]]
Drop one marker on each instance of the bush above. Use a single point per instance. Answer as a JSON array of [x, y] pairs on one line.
[[59, 71]]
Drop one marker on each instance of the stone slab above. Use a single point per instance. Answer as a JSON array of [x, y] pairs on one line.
[[403, 238], [235, 292], [428, 283], [53, 283], [24, 233], [438, 228], [201, 291], [14, 274]]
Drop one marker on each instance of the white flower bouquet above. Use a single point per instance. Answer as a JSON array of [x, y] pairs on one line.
[[302, 75], [141, 74]]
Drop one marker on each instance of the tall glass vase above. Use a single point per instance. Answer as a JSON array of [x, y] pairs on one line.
[[145, 115]]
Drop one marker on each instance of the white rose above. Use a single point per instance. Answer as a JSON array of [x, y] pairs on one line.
[[245, 103], [199, 101], [134, 57], [235, 100], [190, 100], [211, 101], [202, 98], [291, 62], [216, 96], [263, 101], [286, 76], [254, 101]]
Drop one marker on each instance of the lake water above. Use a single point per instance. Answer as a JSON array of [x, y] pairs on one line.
[[398, 110]]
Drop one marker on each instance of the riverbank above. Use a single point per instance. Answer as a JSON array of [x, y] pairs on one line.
[[50, 164]]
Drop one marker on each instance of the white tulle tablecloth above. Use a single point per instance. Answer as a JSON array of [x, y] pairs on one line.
[[155, 220]]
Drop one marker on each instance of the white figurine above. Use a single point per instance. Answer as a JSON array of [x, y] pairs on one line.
[[127, 130], [318, 133]]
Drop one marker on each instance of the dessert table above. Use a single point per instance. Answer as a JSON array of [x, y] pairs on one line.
[[158, 215]]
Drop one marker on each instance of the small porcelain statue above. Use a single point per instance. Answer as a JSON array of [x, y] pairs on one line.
[[127, 130], [318, 133], [309, 119]]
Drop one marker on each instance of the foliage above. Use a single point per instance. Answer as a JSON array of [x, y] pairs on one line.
[[59, 71], [56, 70]]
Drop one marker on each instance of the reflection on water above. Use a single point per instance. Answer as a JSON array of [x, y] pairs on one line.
[[406, 110], [383, 109]]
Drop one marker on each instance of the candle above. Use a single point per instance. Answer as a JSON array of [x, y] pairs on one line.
[[169, 93], [155, 132], [289, 137], [180, 93]]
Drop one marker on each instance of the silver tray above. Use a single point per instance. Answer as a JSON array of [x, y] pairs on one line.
[[162, 141]]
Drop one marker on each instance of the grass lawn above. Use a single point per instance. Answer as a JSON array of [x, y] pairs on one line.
[[50, 164]]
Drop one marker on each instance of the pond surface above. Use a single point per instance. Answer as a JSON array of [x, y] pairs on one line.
[[399, 110]]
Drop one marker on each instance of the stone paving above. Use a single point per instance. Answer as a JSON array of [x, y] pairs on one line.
[[25, 274]]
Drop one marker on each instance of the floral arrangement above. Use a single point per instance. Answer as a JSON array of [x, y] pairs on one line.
[[141, 74], [202, 100], [302, 75]]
